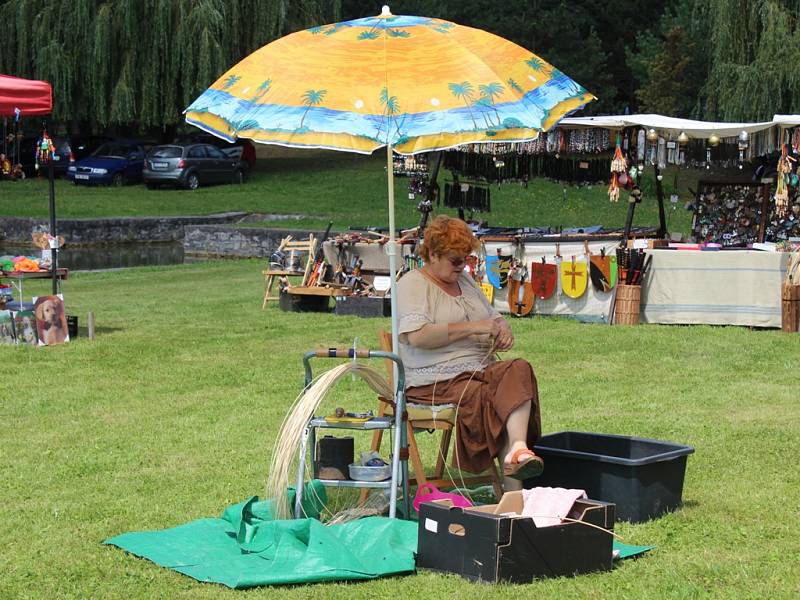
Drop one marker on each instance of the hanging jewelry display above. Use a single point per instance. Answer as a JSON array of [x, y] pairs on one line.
[[618, 168], [728, 214]]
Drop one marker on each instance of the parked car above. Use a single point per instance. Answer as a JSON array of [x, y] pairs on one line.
[[191, 165], [114, 163], [242, 148]]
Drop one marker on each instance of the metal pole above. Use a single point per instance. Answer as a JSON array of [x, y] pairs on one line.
[[662, 221], [53, 231], [629, 219], [392, 250]]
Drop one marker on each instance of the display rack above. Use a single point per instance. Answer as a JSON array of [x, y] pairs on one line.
[[399, 459]]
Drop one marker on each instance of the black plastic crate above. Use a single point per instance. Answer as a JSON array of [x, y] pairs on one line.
[[643, 477]]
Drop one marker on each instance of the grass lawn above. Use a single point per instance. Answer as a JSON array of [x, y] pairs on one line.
[[170, 415], [349, 189]]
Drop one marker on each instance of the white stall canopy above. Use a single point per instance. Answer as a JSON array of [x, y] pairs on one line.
[[671, 125]]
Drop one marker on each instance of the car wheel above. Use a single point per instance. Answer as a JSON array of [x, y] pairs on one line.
[[192, 182], [152, 186], [118, 180], [238, 177]]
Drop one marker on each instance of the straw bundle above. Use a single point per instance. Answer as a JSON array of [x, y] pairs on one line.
[[301, 411]]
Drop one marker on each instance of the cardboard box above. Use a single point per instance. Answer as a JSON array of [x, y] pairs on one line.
[[495, 543]]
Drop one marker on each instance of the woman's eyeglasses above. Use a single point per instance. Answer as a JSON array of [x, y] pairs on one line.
[[457, 262]]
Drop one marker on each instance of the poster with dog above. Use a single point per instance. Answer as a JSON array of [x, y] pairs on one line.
[[6, 328], [25, 327], [51, 322]]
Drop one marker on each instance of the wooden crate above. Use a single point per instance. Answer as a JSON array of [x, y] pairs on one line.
[[790, 307]]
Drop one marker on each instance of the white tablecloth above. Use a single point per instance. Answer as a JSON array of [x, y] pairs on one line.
[[730, 287]]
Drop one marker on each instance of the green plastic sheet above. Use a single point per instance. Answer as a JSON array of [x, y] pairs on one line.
[[246, 548], [627, 550]]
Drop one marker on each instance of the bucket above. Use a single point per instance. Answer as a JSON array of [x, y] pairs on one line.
[[72, 326], [626, 308], [334, 456], [790, 307]]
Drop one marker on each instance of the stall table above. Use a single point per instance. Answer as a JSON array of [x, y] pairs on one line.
[[726, 287], [18, 278]]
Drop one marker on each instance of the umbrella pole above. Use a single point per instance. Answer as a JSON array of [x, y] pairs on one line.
[[392, 248]]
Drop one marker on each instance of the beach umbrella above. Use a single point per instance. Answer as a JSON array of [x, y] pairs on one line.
[[411, 84]]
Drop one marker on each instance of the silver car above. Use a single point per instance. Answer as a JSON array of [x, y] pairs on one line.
[[192, 165]]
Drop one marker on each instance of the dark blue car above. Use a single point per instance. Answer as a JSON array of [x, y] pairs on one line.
[[114, 163]]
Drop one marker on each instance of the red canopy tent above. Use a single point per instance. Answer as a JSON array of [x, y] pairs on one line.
[[28, 95], [31, 98]]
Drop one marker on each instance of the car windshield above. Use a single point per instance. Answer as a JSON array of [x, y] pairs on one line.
[[112, 150], [166, 152]]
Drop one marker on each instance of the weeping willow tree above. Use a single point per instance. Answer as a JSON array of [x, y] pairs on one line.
[[753, 65], [140, 62]]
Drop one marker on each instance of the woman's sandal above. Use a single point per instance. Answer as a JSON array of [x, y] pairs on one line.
[[523, 469]]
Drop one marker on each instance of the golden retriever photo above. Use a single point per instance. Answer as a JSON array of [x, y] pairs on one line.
[[51, 322]]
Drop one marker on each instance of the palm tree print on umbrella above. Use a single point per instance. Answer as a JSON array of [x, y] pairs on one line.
[[311, 98], [230, 81], [488, 93], [261, 90], [536, 63], [391, 107], [464, 91]]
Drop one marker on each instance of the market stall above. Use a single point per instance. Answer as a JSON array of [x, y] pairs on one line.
[[42, 321], [21, 97]]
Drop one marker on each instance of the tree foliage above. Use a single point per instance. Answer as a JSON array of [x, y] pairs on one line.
[[753, 70], [139, 62], [666, 91]]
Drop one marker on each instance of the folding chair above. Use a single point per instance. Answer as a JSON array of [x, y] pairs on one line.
[[429, 418], [288, 245]]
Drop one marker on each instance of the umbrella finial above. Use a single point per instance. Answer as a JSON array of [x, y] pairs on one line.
[[386, 11]]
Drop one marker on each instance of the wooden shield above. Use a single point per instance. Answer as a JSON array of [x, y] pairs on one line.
[[497, 268], [574, 277], [544, 279], [600, 272]]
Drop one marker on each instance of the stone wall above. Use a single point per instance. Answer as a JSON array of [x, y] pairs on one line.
[[116, 230], [237, 242]]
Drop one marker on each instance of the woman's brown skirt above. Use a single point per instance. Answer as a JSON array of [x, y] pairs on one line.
[[485, 399]]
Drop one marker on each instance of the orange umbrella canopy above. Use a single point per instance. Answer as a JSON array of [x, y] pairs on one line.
[[415, 83]]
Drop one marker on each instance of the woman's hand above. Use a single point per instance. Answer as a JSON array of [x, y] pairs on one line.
[[501, 334], [498, 331]]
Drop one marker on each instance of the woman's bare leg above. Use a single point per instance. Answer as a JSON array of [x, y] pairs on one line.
[[515, 439]]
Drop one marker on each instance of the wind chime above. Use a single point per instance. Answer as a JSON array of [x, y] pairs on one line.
[[744, 142], [652, 138], [44, 150], [713, 142], [782, 189], [618, 172]]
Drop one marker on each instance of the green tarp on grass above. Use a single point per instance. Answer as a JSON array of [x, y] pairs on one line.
[[246, 548]]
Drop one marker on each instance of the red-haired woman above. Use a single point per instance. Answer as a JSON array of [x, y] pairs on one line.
[[448, 335]]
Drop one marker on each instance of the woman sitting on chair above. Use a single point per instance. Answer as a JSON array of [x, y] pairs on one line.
[[449, 334]]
